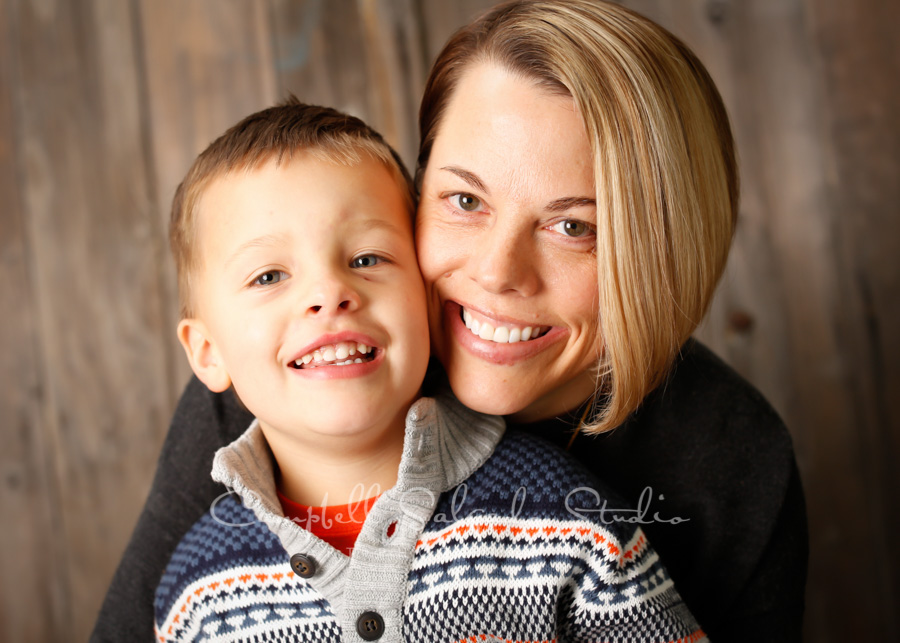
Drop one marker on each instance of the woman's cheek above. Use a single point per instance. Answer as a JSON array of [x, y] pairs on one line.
[[436, 246]]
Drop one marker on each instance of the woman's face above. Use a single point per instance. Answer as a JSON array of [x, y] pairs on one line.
[[506, 242]]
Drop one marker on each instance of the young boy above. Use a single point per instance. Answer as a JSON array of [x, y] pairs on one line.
[[300, 290]]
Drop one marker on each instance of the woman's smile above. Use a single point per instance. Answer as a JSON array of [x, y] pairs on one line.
[[498, 341], [499, 331]]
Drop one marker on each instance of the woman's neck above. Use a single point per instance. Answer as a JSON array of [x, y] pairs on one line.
[[559, 401]]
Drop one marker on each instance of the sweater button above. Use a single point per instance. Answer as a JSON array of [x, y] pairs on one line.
[[370, 626], [303, 565]]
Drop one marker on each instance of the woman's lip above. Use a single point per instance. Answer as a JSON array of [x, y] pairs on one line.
[[503, 354], [335, 338], [494, 319]]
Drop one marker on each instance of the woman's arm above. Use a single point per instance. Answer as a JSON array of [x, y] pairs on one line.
[[182, 490]]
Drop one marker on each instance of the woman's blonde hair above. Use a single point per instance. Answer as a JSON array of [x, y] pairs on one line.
[[664, 168]]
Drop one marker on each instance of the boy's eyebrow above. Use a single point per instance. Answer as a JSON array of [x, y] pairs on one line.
[[376, 222], [269, 240], [259, 242]]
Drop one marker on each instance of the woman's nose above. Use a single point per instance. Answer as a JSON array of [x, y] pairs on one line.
[[503, 261], [331, 295]]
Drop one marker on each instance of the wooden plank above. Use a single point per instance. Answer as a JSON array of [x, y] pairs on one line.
[[441, 19], [859, 58], [95, 243], [208, 63], [30, 555], [320, 54], [364, 58], [785, 309]]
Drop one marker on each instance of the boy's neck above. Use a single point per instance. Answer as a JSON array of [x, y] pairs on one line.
[[337, 470]]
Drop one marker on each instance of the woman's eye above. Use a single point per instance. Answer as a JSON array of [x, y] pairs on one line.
[[269, 278], [573, 228], [366, 261], [466, 202]]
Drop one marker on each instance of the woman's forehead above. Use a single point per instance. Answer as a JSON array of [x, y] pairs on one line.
[[509, 131]]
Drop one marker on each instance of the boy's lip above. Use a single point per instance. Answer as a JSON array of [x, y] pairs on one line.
[[497, 353], [335, 338]]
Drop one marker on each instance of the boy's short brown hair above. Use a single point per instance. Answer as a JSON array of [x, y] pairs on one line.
[[274, 133]]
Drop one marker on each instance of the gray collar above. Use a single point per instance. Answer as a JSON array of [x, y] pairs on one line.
[[445, 442]]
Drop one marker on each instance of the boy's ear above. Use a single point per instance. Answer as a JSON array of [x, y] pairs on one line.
[[203, 355]]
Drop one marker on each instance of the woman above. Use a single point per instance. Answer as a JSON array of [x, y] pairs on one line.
[[578, 198]]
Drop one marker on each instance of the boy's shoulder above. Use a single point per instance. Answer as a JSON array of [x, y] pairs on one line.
[[230, 576], [226, 537]]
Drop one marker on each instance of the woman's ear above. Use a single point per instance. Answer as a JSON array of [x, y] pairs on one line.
[[203, 355]]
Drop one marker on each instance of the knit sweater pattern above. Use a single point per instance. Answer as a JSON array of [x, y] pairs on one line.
[[495, 538]]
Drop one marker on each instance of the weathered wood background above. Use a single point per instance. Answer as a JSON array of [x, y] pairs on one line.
[[104, 103]]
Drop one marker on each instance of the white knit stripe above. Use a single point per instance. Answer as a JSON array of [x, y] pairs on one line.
[[189, 610], [534, 547], [523, 531]]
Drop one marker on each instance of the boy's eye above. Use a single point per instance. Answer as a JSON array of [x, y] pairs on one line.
[[573, 228], [466, 202], [366, 261], [269, 278]]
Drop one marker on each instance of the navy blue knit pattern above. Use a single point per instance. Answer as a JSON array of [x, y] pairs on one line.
[[502, 558], [229, 540], [502, 552]]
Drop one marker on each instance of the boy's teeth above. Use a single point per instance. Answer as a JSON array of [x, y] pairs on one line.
[[500, 334], [334, 355]]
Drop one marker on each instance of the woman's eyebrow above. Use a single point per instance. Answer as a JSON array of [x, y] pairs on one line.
[[569, 202], [468, 177]]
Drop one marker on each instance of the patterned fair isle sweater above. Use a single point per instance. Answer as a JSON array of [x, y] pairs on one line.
[[493, 539]]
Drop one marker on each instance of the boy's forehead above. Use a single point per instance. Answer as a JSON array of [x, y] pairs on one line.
[[347, 198]]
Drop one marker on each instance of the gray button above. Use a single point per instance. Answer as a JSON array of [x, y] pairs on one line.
[[370, 626], [303, 565]]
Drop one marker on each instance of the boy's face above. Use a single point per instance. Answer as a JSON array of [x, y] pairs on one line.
[[309, 299]]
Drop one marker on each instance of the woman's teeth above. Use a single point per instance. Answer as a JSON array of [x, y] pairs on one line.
[[501, 334], [336, 355]]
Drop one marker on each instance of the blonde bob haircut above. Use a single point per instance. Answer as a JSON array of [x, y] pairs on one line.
[[664, 169], [277, 133]]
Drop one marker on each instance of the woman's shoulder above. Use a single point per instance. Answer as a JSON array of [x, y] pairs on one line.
[[707, 406]]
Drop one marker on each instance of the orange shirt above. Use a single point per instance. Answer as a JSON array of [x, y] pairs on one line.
[[337, 525]]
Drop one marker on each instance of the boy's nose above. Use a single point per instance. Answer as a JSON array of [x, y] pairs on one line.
[[332, 296]]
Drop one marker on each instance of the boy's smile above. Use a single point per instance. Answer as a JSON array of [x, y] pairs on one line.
[[310, 302], [340, 355]]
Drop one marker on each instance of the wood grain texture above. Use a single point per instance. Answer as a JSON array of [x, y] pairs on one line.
[[104, 104], [94, 282], [859, 58], [29, 556]]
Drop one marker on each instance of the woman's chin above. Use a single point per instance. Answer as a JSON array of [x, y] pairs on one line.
[[488, 396]]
